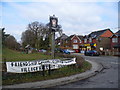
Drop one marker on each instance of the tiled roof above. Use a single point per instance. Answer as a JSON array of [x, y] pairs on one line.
[[81, 37], [96, 34], [63, 37], [69, 38], [117, 33]]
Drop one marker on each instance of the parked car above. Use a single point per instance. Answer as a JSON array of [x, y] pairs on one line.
[[91, 53], [68, 51], [42, 50], [59, 50], [77, 51], [71, 51]]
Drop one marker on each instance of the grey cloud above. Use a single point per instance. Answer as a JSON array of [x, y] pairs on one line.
[[75, 17]]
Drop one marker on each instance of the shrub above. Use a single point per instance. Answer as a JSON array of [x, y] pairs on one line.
[[79, 59]]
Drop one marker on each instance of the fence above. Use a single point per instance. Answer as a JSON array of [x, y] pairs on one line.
[[14, 78]]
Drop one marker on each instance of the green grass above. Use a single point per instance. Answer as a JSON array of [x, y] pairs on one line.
[[11, 55], [37, 76], [14, 78]]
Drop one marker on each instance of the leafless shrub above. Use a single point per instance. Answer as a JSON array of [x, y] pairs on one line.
[[79, 59]]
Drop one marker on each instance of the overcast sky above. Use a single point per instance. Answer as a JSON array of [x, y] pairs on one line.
[[76, 17]]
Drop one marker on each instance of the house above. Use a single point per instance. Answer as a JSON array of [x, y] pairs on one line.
[[74, 42], [98, 40], [28, 49], [60, 41], [115, 43]]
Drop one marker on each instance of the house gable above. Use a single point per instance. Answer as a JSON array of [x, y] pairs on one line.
[[107, 33], [75, 36]]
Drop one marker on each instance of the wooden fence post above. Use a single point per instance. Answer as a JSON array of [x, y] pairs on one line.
[[49, 71], [43, 68]]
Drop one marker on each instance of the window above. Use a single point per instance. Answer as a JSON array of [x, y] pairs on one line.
[[75, 46], [90, 39], [114, 40], [85, 40], [75, 41], [66, 41]]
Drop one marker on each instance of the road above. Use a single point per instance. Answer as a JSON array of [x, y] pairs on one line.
[[107, 78]]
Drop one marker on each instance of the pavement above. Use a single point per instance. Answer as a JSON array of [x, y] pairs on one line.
[[96, 68]]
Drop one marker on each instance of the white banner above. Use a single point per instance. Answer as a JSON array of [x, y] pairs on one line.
[[34, 66]]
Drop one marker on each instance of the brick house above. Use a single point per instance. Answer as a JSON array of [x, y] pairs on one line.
[[74, 42], [60, 41], [115, 43], [98, 40]]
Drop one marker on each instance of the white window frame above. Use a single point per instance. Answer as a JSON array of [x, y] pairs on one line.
[[75, 41], [90, 39], [75, 46], [85, 40], [114, 40]]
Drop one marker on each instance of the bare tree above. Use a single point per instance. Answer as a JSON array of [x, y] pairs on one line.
[[11, 42], [28, 37], [37, 35], [34, 34]]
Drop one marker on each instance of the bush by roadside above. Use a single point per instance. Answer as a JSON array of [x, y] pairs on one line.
[[79, 60]]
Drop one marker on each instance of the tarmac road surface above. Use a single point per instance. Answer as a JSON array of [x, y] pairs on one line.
[[107, 78]]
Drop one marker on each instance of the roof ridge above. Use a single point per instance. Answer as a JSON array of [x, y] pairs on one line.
[[100, 30]]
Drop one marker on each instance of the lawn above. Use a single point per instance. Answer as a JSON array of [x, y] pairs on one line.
[[11, 55], [14, 78]]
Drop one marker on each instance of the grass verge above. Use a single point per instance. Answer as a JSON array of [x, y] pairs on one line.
[[11, 78], [11, 55], [14, 78]]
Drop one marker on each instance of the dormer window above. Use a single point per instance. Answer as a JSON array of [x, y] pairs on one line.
[[75, 41]]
